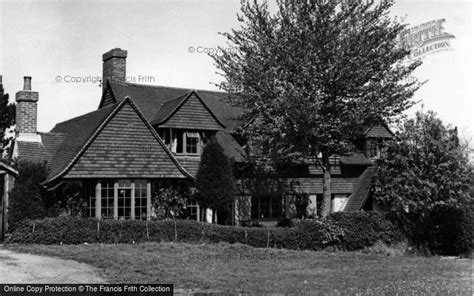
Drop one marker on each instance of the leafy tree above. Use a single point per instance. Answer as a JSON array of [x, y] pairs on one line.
[[214, 183], [425, 171], [7, 117], [26, 199], [425, 166], [312, 75]]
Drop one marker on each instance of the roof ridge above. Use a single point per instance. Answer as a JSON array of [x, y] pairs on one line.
[[162, 86], [83, 115]]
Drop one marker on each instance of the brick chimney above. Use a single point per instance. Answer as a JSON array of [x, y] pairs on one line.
[[114, 66], [26, 113]]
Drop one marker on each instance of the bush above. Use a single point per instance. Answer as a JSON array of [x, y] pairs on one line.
[[309, 234], [26, 200], [365, 229], [450, 231]]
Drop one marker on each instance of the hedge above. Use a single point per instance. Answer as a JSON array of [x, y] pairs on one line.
[[335, 232], [364, 229]]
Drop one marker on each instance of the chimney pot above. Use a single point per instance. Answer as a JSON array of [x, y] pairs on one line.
[[27, 83]]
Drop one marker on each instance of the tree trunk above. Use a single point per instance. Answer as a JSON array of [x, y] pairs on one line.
[[326, 167]]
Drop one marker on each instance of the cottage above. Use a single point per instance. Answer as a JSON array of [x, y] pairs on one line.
[[144, 137]]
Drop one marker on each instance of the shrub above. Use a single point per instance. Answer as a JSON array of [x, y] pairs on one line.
[[312, 235], [450, 231], [26, 200], [168, 203], [214, 182], [364, 229]]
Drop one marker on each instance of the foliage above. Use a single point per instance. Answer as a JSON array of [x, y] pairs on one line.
[[336, 233], [450, 231], [214, 183], [26, 199], [313, 74], [363, 230], [7, 117], [168, 203], [426, 167]]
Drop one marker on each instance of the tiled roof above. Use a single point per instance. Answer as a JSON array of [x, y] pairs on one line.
[[52, 141], [355, 158], [188, 111], [231, 148], [75, 133], [167, 109], [361, 191], [150, 98], [32, 151], [378, 131], [79, 131]]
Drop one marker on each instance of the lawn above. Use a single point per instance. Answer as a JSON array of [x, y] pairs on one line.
[[239, 268]]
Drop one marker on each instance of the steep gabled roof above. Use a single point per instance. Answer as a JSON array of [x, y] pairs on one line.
[[150, 98], [361, 191], [79, 132], [172, 107], [380, 130], [167, 109]]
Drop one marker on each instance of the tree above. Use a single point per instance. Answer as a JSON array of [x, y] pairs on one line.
[[26, 199], [425, 176], [7, 117], [312, 75], [214, 183], [426, 166]]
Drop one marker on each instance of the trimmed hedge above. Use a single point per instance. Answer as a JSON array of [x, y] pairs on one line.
[[364, 229], [339, 231]]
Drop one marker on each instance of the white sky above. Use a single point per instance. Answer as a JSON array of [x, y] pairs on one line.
[[44, 39]]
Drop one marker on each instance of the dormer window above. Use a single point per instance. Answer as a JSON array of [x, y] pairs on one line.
[[184, 142]]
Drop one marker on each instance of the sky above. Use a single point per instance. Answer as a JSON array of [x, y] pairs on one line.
[[61, 42]]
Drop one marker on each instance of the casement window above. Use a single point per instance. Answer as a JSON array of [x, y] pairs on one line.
[[140, 199], [183, 141], [266, 206], [119, 199], [192, 142], [107, 200]]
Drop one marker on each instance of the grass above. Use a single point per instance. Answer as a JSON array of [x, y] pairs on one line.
[[239, 268]]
